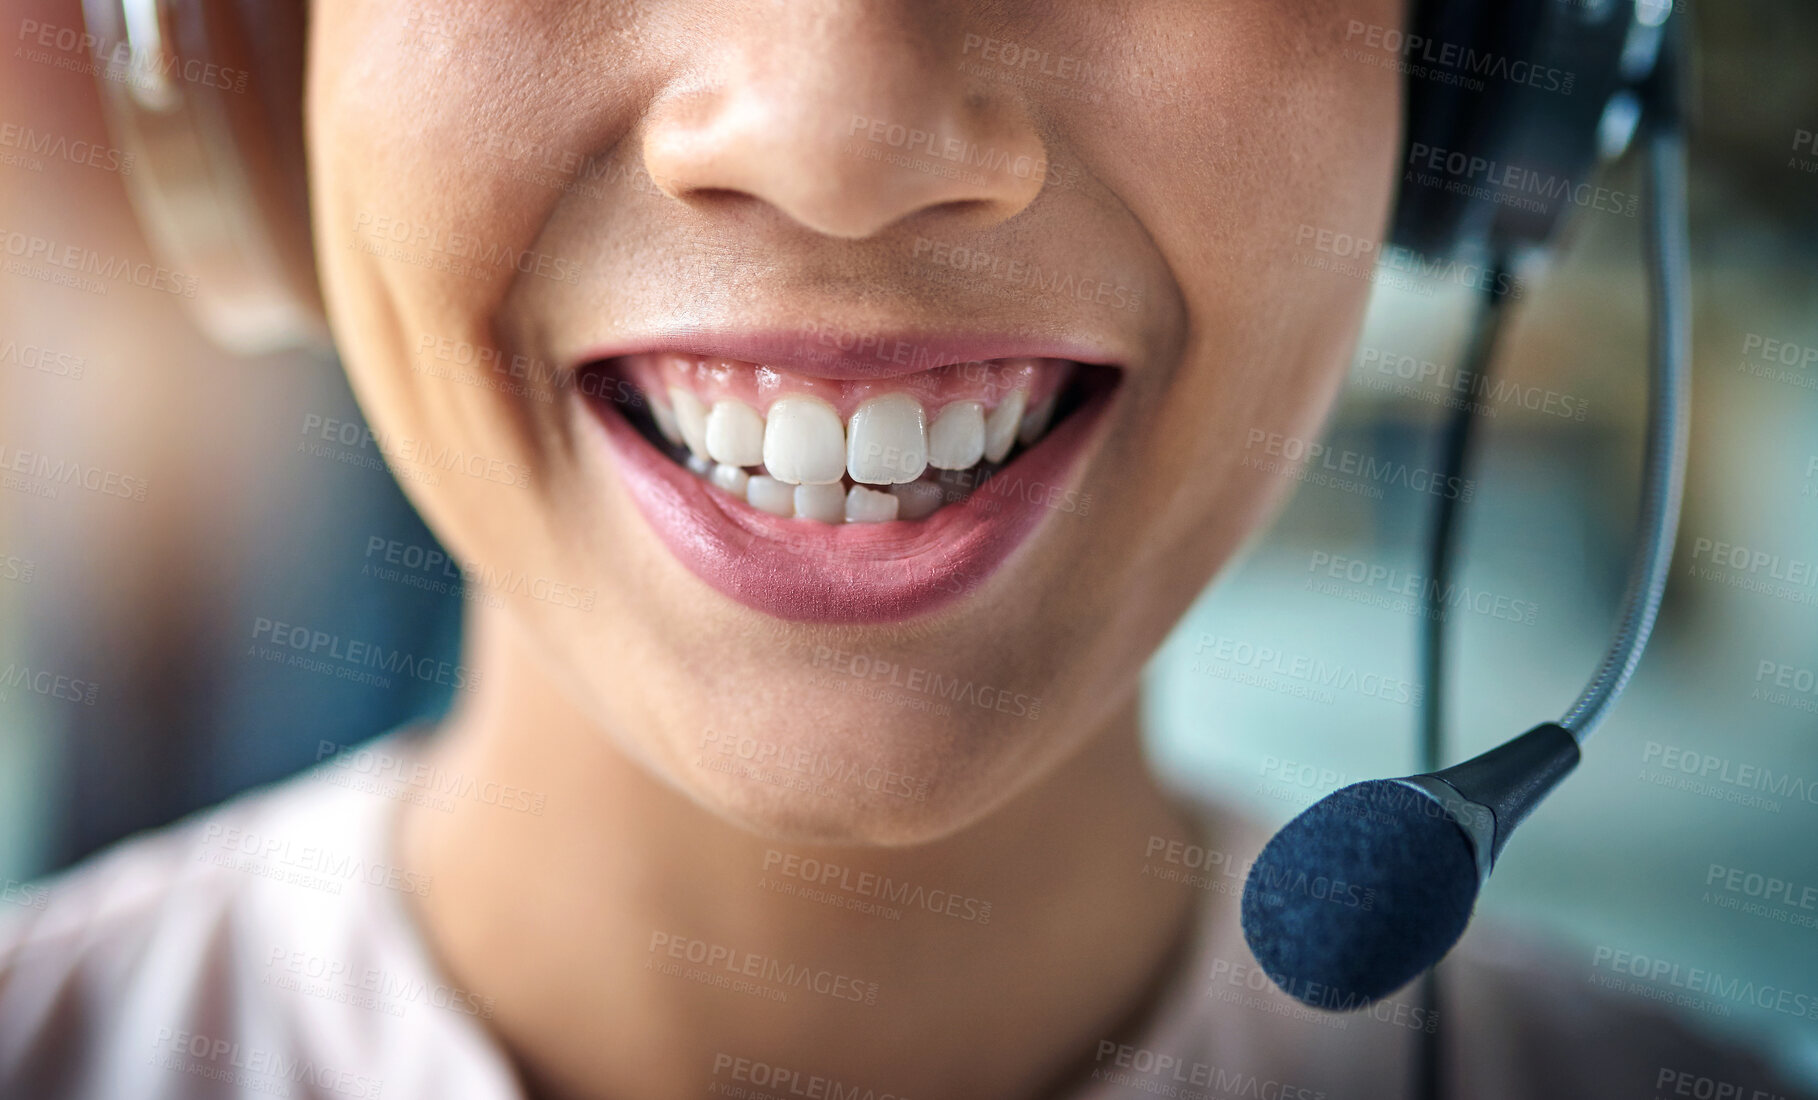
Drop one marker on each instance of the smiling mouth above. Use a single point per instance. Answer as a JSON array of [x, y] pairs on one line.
[[846, 493], [826, 451]]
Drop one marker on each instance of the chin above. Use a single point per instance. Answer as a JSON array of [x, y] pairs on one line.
[[877, 774]]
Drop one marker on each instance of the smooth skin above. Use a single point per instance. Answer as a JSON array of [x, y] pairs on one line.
[[732, 185]]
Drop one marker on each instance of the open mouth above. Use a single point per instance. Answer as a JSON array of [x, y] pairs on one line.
[[828, 451], [846, 499]]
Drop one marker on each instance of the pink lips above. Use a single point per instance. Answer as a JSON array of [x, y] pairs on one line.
[[855, 573]]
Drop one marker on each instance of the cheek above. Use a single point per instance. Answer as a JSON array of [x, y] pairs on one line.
[[1269, 133], [1282, 133], [421, 242]]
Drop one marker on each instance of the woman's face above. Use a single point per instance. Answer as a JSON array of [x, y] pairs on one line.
[[854, 253]]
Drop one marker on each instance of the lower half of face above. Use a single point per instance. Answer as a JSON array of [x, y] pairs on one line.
[[844, 404]]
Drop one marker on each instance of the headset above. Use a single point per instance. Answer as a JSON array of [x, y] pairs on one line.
[[1567, 86], [1511, 106]]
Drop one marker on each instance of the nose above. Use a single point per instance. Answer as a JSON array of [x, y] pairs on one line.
[[848, 117]]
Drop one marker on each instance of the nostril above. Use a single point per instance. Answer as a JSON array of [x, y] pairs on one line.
[[971, 210], [712, 196]]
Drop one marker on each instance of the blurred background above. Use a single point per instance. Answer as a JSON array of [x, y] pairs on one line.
[[140, 606]]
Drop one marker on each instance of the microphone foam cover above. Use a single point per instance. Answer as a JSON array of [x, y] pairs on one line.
[[1364, 890]]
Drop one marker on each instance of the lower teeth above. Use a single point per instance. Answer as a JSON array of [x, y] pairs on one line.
[[843, 501]]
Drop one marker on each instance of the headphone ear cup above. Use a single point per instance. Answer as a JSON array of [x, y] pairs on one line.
[[208, 97], [1504, 103], [1440, 114]]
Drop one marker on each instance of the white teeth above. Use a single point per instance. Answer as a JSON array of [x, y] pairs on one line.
[[886, 441], [869, 506], [730, 478], [826, 503], [804, 443], [956, 440], [807, 453], [1001, 425], [1036, 421], [767, 494], [917, 499], [735, 434], [691, 419], [665, 420]]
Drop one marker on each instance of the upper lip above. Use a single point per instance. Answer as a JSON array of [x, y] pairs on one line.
[[851, 355]]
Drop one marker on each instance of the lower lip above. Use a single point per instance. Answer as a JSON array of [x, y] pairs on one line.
[[807, 571]]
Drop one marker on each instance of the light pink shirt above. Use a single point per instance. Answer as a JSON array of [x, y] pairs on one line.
[[265, 949]]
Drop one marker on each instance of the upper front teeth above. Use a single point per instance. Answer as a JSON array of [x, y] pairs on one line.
[[794, 460], [887, 441], [804, 442]]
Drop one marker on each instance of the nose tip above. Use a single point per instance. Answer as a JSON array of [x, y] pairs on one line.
[[843, 172]]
